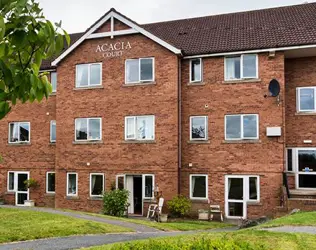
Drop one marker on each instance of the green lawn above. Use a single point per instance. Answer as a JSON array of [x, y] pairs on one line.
[[19, 225]]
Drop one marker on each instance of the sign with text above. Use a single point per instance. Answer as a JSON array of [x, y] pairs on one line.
[[113, 49]]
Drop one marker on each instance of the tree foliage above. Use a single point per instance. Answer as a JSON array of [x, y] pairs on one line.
[[26, 39]]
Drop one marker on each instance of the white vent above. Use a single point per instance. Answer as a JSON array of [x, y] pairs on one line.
[[274, 131]]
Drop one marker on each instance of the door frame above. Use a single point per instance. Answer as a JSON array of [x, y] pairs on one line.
[[16, 176]]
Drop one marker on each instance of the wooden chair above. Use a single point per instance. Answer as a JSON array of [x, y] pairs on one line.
[[216, 209], [155, 208]]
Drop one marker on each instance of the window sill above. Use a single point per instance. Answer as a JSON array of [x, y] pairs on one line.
[[53, 94], [20, 144], [199, 142], [139, 142], [256, 80], [49, 194], [254, 203], [9, 193], [194, 200], [95, 198], [139, 84], [89, 87], [87, 142], [149, 200], [72, 197], [196, 84], [305, 113], [290, 173], [241, 141], [52, 143]]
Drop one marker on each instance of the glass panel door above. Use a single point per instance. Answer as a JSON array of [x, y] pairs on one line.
[[235, 204], [306, 177], [22, 192]]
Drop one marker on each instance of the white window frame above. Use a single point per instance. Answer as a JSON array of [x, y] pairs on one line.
[[88, 118], [242, 128], [293, 160], [55, 73], [135, 127], [241, 68], [103, 183], [50, 132], [120, 176], [47, 173], [67, 186], [298, 100], [139, 70], [89, 72], [201, 70], [19, 142], [14, 186], [143, 186], [191, 191], [206, 128]]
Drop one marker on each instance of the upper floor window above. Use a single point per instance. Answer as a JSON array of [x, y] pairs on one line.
[[241, 67], [88, 129], [196, 70], [53, 80], [139, 70], [198, 127], [19, 132], [52, 131], [306, 101], [140, 127], [241, 127], [88, 75]]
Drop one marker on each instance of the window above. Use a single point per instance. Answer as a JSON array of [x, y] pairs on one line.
[[96, 185], [241, 127], [198, 186], [50, 182], [11, 186], [198, 127], [196, 70], [88, 129], [139, 70], [19, 132], [140, 127], [241, 67], [52, 131], [306, 101], [253, 188], [88, 75], [53, 80], [72, 184], [289, 166], [120, 182], [148, 186]]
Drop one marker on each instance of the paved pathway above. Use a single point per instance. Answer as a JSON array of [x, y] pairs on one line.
[[293, 229]]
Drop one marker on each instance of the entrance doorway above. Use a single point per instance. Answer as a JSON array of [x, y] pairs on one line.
[[22, 192]]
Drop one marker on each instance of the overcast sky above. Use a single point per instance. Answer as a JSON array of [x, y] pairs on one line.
[[77, 15]]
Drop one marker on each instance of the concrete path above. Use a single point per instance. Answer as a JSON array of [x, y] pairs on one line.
[[293, 229]]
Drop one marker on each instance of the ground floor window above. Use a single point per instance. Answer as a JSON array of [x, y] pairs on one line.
[[198, 186], [11, 186], [50, 182], [96, 184], [72, 184]]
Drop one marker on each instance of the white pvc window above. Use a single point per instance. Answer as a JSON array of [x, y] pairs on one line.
[[196, 70], [96, 184], [305, 99], [198, 186], [140, 127], [52, 131], [11, 184], [139, 70], [88, 129], [72, 184], [241, 127], [88, 75], [241, 67], [198, 128], [53, 80], [148, 186], [19, 132], [50, 182]]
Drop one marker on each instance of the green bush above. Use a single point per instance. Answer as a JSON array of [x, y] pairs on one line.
[[179, 206], [115, 202]]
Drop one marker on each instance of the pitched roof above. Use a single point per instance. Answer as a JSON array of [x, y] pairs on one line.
[[258, 29]]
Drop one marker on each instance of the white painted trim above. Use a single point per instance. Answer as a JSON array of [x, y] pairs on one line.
[[139, 70], [205, 125], [123, 20], [50, 131], [19, 142], [103, 183], [135, 127], [241, 127], [298, 100], [88, 118], [89, 72], [201, 71], [206, 183], [47, 173], [143, 186], [16, 176], [114, 33], [251, 51], [71, 173], [14, 188]]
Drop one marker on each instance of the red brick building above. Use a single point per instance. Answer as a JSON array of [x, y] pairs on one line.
[[181, 106]]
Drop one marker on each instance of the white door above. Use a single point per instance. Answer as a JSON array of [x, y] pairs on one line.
[[130, 188], [22, 192], [235, 197]]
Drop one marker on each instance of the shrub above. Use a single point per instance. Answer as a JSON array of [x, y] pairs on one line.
[[179, 206], [115, 202]]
